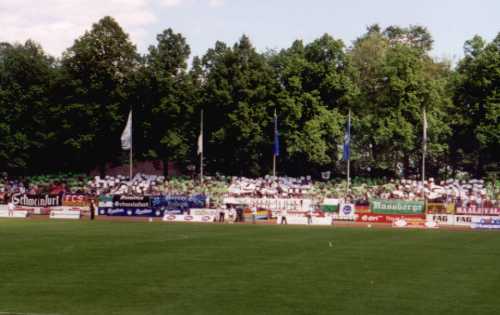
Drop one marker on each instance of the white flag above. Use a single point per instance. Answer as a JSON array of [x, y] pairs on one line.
[[200, 143], [127, 134]]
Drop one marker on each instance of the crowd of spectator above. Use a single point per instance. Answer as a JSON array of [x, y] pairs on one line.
[[218, 187]]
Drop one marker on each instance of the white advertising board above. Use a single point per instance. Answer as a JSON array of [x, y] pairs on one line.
[[302, 220], [203, 212], [188, 218], [273, 204], [13, 214], [452, 219], [65, 214]]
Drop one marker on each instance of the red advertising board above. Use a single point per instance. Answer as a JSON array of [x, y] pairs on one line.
[[76, 200], [475, 210], [385, 218]]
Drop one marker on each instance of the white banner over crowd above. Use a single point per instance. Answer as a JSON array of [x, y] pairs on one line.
[[273, 204]]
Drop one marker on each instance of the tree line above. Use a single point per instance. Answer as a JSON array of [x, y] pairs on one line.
[[67, 113]]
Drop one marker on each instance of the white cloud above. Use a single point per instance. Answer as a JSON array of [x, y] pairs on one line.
[[170, 3], [178, 3], [215, 3], [55, 24]]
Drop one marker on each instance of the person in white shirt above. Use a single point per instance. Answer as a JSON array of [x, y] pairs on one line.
[[284, 214], [10, 208]]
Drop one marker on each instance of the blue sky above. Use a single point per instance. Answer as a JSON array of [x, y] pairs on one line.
[[271, 24]]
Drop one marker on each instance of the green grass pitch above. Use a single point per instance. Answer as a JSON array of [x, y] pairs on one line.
[[83, 267]]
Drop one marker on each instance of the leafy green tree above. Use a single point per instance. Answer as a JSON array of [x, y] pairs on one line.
[[317, 91], [27, 127], [238, 86], [476, 138], [414, 36], [98, 68], [398, 80], [170, 106]]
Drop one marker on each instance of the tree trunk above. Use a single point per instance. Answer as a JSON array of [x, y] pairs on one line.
[[165, 167]]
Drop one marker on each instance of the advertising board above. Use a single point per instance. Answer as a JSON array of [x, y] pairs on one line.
[[490, 224], [188, 218], [65, 214], [414, 224], [135, 202], [396, 207], [301, 218], [460, 220], [384, 218], [442, 219], [6, 213], [37, 201], [273, 204], [347, 212], [202, 212], [73, 200], [174, 202], [130, 212], [439, 207], [477, 210]]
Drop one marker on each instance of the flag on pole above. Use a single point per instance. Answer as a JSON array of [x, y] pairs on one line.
[[200, 143], [127, 134], [347, 140], [276, 144]]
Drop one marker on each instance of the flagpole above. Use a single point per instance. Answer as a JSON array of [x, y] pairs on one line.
[[274, 165], [424, 143], [349, 156], [274, 144], [131, 146], [201, 148]]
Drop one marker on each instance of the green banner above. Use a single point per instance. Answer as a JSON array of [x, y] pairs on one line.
[[330, 208], [396, 206]]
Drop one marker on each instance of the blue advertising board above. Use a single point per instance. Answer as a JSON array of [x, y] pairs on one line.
[[130, 212], [183, 203]]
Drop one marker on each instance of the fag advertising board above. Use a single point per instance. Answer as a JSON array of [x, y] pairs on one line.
[[460, 220]]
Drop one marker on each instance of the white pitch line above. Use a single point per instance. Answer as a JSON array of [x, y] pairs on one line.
[[16, 313]]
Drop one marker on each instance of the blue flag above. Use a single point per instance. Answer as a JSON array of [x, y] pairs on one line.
[[276, 144], [347, 140]]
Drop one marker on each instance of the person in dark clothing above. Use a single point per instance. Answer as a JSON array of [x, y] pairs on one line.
[[92, 209]]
